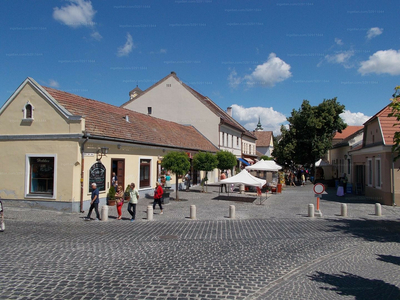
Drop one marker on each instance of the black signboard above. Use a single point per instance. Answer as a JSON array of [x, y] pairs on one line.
[[97, 174]]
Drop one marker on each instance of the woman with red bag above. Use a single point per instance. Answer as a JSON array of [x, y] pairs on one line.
[[119, 199], [158, 192]]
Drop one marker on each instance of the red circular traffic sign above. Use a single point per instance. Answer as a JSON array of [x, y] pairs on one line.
[[319, 188]]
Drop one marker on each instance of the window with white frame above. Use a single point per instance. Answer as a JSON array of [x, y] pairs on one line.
[[41, 175], [144, 173], [369, 172], [378, 173], [28, 111]]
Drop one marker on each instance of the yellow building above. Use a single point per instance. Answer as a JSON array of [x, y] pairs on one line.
[[55, 144]]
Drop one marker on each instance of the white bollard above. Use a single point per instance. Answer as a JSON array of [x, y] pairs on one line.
[[149, 213], [104, 213], [311, 210], [343, 210], [378, 209], [241, 189], [232, 212], [193, 212]]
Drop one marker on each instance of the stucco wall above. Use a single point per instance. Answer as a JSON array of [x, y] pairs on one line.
[[177, 104]]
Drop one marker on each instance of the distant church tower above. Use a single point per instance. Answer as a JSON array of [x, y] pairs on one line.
[[135, 92], [259, 126]]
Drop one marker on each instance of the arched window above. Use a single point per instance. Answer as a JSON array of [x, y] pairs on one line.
[[28, 111]]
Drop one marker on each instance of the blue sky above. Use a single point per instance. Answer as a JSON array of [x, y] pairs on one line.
[[261, 57]]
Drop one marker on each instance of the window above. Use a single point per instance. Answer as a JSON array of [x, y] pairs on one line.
[[169, 85], [348, 166], [378, 173], [28, 111], [237, 141], [370, 172], [41, 172], [144, 173], [149, 110]]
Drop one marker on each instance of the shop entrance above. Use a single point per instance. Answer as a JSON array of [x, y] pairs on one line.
[[118, 167]]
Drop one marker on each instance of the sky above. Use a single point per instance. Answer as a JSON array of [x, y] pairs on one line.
[[262, 58]]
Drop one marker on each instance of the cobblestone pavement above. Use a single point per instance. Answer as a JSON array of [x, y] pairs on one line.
[[271, 250]]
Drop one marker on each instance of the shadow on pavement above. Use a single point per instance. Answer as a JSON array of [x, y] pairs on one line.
[[347, 284], [389, 259], [370, 230], [235, 198], [347, 198]]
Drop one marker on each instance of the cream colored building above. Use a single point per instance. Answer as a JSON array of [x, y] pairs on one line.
[[55, 144]]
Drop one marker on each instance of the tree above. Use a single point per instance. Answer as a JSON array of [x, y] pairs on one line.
[[178, 163], [310, 133], [266, 157], [226, 160], [395, 106], [205, 161]]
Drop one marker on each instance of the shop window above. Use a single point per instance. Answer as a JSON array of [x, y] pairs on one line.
[[144, 173], [378, 173], [41, 180], [370, 172]]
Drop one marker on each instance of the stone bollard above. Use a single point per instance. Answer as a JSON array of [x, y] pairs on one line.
[[241, 189], [378, 209], [104, 213], [193, 212], [311, 210], [343, 210], [149, 213], [232, 212]]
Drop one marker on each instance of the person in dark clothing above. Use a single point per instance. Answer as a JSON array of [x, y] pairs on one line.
[[94, 202]]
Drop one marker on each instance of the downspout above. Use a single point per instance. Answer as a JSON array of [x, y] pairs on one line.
[[393, 189], [82, 171]]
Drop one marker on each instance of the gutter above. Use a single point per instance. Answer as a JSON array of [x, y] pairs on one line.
[[82, 171]]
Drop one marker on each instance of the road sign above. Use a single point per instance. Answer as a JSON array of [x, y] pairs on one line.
[[319, 188]]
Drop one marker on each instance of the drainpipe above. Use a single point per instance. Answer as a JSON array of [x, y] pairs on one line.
[[393, 193], [82, 171]]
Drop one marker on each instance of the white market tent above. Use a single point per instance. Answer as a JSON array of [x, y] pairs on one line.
[[265, 165], [322, 163], [244, 177]]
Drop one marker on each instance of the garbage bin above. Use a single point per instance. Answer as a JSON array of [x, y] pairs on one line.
[[279, 188]]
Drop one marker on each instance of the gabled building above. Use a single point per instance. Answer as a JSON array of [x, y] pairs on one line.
[[55, 144], [375, 173], [265, 140], [173, 100]]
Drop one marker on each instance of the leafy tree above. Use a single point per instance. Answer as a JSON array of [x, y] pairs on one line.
[[310, 133], [226, 160], [266, 157], [395, 106], [179, 164], [205, 161]]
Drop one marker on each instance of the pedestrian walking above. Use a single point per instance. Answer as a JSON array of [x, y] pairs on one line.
[[94, 202], [168, 180], [119, 199], [134, 197], [222, 177], [158, 192], [303, 179], [187, 180], [2, 225], [292, 179]]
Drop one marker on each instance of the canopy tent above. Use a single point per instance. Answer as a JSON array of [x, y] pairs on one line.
[[265, 165], [322, 163], [244, 177]]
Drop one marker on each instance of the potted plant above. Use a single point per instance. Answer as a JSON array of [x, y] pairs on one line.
[[127, 193], [111, 196]]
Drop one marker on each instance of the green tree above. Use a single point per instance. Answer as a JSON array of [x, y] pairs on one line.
[[310, 133], [266, 157], [205, 161], [395, 106], [178, 163], [226, 160]]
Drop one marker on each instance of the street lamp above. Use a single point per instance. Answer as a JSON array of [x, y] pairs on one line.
[[102, 151]]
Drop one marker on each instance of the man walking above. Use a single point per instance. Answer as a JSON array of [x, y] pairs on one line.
[[94, 203]]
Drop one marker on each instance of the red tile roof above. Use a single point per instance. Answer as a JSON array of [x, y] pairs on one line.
[[225, 118], [348, 131], [263, 138], [387, 124], [106, 120]]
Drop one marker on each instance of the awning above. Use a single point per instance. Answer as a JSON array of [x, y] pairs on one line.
[[249, 160], [243, 161]]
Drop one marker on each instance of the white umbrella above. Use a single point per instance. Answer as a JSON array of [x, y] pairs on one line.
[[265, 165]]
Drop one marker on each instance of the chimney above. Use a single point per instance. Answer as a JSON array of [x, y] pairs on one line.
[[127, 118], [229, 111]]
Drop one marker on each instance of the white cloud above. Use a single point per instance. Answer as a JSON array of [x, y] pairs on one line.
[[96, 35], [274, 70], [127, 48], [53, 83], [383, 61], [341, 58], [233, 79], [373, 32], [77, 13], [354, 119], [161, 51], [338, 41], [271, 120]]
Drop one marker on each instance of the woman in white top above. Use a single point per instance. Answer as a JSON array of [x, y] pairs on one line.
[[134, 196]]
